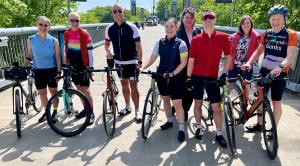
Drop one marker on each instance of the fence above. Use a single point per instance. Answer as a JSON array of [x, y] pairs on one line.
[[17, 47]]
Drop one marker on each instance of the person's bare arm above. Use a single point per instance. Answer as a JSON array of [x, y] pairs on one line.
[[149, 61], [57, 56], [255, 56], [109, 55], [227, 62], [190, 66], [139, 51], [29, 56], [183, 62]]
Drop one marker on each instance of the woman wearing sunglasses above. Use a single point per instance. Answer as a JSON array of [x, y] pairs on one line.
[[173, 55], [44, 51]]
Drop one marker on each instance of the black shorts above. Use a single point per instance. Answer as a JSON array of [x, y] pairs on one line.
[[129, 72], [45, 77], [81, 78], [213, 91], [277, 86], [174, 88]]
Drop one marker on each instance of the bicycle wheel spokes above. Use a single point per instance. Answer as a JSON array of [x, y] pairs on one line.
[[37, 104], [63, 120], [229, 122], [236, 98], [193, 125], [270, 133], [109, 114]]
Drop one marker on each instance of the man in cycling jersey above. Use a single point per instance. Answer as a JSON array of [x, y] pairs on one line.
[[127, 49], [205, 54], [279, 45]]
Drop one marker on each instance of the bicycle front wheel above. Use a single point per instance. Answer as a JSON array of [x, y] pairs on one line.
[[37, 105], [148, 113], [109, 114], [68, 112], [18, 112], [270, 132], [230, 123]]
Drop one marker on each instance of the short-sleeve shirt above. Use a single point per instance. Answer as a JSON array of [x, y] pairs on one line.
[[207, 52], [276, 45], [123, 38], [43, 50], [169, 52], [74, 51]]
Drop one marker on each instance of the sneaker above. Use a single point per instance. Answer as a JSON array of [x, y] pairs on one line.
[[43, 118], [199, 133], [181, 136], [80, 115], [125, 111], [221, 141], [254, 128], [92, 119], [166, 125], [138, 117], [54, 119]]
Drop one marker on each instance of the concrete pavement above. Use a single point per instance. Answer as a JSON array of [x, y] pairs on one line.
[[39, 145]]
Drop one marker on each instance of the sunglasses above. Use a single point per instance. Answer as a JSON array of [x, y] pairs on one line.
[[119, 11], [206, 17], [74, 21], [43, 25]]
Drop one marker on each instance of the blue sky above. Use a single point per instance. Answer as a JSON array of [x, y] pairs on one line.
[[84, 6]]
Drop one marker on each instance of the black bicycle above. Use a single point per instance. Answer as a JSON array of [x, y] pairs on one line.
[[19, 91], [110, 105], [65, 104], [152, 105]]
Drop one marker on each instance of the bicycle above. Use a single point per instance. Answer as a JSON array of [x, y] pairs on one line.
[[18, 75], [152, 105], [239, 113], [110, 105], [62, 119]]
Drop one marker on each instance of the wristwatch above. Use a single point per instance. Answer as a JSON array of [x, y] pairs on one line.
[[281, 66]]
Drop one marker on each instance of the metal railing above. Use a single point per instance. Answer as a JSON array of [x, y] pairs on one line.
[[17, 47]]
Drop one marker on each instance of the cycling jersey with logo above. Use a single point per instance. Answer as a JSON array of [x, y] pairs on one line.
[[169, 52], [276, 45], [123, 38]]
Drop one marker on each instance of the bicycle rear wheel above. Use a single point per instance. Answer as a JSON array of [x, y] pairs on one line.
[[206, 108], [270, 132], [148, 114], [236, 97], [193, 125], [18, 112], [63, 120], [230, 123], [109, 114]]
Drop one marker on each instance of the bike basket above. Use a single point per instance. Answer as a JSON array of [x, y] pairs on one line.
[[15, 74]]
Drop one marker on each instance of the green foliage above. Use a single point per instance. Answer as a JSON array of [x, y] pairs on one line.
[[18, 13], [104, 15], [257, 9]]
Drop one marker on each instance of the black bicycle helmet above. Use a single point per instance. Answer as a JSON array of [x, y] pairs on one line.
[[278, 9]]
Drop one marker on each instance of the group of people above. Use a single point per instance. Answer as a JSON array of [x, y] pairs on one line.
[[189, 57]]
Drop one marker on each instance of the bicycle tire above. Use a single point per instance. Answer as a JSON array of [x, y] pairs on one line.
[[148, 102], [206, 108], [193, 125], [240, 104], [273, 148], [229, 123], [81, 98], [36, 97], [17, 112], [107, 101]]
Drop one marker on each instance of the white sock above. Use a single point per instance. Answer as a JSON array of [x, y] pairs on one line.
[[128, 105], [199, 126], [219, 132], [170, 119], [181, 127], [136, 110]]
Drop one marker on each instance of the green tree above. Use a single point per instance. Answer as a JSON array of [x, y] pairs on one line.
[[18, 13]]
